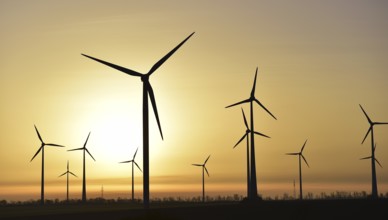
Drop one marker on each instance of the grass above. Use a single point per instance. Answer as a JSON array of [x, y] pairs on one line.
[[266, 209]]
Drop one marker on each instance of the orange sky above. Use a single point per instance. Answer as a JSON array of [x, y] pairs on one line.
[[317, 60]]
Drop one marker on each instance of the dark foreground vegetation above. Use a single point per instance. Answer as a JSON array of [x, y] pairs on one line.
[[359, 208]]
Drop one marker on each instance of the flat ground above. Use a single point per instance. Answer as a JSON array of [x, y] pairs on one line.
[[279, 209]]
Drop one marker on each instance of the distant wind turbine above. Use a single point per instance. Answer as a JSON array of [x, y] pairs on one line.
[[67, 180], [251, 99], [372, 157], [203, 176], [247, 131], [300, 155], [42, 149], [147, 91], [370, 130], [84, 149], [133, 162]]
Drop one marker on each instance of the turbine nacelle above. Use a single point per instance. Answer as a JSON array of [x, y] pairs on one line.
[[145, 78]]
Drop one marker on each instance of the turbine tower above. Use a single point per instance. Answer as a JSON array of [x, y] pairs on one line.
[[246, 135], [84, 149], [300, 155], [133, 162], [42, 149], [203, 176], [251, 99], [67, 180], [370, 130], [147, 91]]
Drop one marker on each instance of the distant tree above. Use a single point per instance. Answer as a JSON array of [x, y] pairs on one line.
[[3, 202]]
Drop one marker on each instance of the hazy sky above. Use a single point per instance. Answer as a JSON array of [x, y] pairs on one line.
[[317, 61]]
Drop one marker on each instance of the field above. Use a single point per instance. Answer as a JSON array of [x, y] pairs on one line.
[[275, 209]]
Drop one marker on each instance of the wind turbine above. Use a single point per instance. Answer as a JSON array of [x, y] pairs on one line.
[[251, 99], [300, 155], [147, 91], [203, 176], [372, 157], [133, 162], [67, 180], [370, 130], [247, 131], [84, 149], [42, 149]]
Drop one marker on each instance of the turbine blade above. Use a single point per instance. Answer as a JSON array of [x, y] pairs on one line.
[[73, 174], [67, 165], [258, 133], [90, 154], [86, 140], [137, 166], [152, 97], [206, 171], [303, 146], [36, 153], [378, 163], [197, 164], [206, 160], [114, 66], [161, 61], [366, 115], [135, 154], [305, 160], [238, 103], [366, 158], [258, 102], [40, 138], [76, 149], [129, 161], [240, 140], [55, 145], [381, 123], [62, 174], [292, 153], [370, 128], [245, 119], [254, 84]]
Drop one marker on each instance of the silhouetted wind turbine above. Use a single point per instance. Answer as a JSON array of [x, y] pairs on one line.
[[133, 162], [67, 180], [42, 149], [370, 130], [147, 91], [251, 99], [247, 131], [84, 173], [203, 176], [300, 155], [372, 157]]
